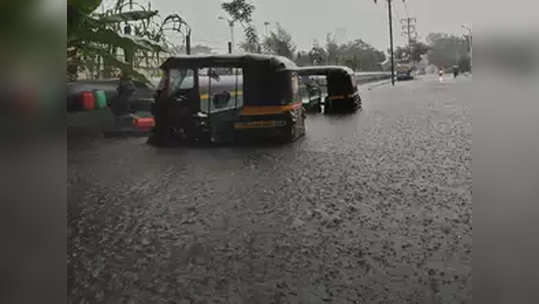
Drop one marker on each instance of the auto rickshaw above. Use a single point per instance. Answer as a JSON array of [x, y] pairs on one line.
[[311, 93], [221, 98], [337, 87]]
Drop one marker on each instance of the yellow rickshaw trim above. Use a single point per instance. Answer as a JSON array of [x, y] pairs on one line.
[[269, 110], [232, 94]]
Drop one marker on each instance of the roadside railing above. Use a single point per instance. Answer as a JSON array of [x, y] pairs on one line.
[[366, 77]]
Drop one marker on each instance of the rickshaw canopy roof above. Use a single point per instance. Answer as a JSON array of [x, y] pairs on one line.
[[324, 70], [277, 63]]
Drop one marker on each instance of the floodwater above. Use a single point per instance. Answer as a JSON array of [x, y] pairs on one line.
[[371, 207]]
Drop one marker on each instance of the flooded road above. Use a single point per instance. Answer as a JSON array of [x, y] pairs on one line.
[[372, 207]]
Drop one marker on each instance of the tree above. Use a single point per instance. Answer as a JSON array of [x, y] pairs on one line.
[[251, 43], [448, 50], [241, 11], [418, 49], [332, 49], [318, 55], [401, 54], [93, 37], [360, 55], [280, 43]]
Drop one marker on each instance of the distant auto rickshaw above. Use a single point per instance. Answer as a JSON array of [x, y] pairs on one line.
[[225, 97], [334, 87]]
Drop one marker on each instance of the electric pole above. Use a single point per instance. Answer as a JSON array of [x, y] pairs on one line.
[[391, 43], [409, 31], [389, 5]]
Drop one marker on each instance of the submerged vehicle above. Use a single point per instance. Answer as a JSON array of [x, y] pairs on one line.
[[220, 98], [334, 87]]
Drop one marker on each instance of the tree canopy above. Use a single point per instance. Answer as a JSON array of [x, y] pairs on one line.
[[280, 43], [92, 37], [448, 50], [242, 11], [417, 48]]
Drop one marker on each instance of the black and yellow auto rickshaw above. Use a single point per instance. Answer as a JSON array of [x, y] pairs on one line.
[[224, 97], [335, 86]]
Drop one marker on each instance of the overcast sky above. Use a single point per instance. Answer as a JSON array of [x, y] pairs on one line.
[[307, 20]]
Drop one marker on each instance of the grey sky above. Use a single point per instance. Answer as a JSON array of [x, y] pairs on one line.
[[307, 20]]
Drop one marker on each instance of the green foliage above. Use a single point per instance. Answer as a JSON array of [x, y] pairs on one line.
[[241, 11], [332, 49], [360, 55], [280, 43], [418, 49], [251, 44], [127, 16], [447, 50], [357, 55], [318, 55], [93, 36]]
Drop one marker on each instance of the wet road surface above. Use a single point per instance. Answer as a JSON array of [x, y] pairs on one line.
[[372, 207]]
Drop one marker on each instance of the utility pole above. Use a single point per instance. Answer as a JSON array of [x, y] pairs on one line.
[[389, 5], [409, 31], [188, 43], [391, 42]]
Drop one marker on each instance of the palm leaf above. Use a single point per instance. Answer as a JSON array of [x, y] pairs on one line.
[[127, 16]]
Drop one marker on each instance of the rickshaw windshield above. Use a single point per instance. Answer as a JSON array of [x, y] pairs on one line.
[[180, 79]]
